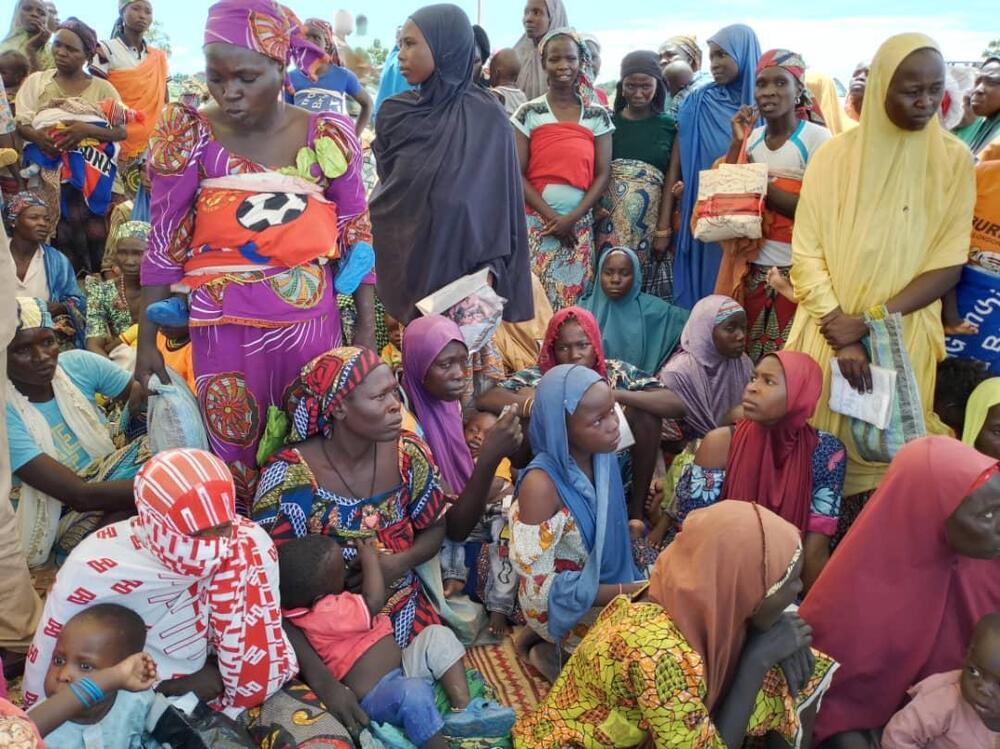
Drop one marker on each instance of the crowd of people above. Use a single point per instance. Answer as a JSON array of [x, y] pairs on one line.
[[466, 367]]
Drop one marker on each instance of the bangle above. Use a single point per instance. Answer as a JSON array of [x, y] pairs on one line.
[[94, 691], [80, 694], [662, 233], [528, 405], [878, 312], [621, 590]]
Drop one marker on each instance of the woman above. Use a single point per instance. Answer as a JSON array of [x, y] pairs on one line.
[[824, 91], [982, 419], [696, 659], [909, 597], [704, 126], [139, 73], [257, 314], [790, 135], [637, 328], [81, 229], [882, 227], [540, 17], [985, 100], [564, 146], [639, 203], [855, 98], [349, 472], [711, 370], [42, 271], [449, 199], [569, 530], [71, 474], [773, 457], [29, 34]]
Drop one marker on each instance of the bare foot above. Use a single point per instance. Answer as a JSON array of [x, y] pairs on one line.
[[499, 624], [525, 640], [545, 658], [453, 588]]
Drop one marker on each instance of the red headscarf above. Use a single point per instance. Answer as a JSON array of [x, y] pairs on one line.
[[772, 465], [896, 603], [583, 318], [806, 107]]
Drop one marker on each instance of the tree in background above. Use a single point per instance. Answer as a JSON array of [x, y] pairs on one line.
[[157, 37], [992, 49]]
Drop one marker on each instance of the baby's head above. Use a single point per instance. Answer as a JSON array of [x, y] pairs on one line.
[[395, 329], [957, 377], [981, 675], [13, 70], [677, 75], [97, 638], [477, 424], [310, 569], [505, 67]]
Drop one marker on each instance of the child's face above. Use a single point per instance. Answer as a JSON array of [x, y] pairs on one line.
[[981, 678], [617, 276], [475, 431], [395, 331], [13, 75], [83, 647], [333, 570]]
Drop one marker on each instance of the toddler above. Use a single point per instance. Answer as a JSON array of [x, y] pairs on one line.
[[356, 643], [505, 67], [957, 709]]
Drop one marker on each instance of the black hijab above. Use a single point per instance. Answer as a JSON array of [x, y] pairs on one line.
[[647, 63], [483, 45], [449, 200]]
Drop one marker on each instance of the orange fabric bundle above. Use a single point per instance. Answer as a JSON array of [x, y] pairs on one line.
[[143, 88], [562, 153]]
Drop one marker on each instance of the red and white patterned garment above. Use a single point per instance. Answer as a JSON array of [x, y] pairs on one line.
[[196, 594]]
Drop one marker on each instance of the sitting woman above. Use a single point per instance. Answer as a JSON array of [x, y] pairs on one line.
[[68, 469], [350, 472], [982, 418], [773, 457], [569, 529], [637, 328], [43, 272], [915, 573], [696, 659], [712, 368], [574, 338]]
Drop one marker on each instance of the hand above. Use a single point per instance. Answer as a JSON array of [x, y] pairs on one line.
[[961, 328], [392, 570], [558, 226], [743, 123], [788, 636], [678, 189], [71, 136], [206, 683], [853, 361], [343, 705], [367, 550], [661, 244], [842, 330], [39, 40], [49, 147], [798, 669], [504, 438], [777, 281], [137, 673], [149, 361]]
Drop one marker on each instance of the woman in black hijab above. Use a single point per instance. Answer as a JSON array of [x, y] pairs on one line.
[[449, 200]]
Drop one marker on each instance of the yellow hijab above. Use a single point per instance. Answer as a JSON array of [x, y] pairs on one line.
[[825, 92], [983, 398]]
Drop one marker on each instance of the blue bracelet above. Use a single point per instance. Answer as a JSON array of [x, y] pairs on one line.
[[92, 689], [79, 693]]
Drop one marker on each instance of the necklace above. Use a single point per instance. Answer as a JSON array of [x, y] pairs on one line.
[[371, 488]]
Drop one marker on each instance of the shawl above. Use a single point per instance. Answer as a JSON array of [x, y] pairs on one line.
[[640, 329], [424, 339], [824, 93], [449, 200], [63, 287], [705, 129], [196, 593], [598, 508], [709, 383], [772, 465], [143, 88], [983, 398], [532, 79], [519, 342], [895, 592], [711, 586], [583, 318]]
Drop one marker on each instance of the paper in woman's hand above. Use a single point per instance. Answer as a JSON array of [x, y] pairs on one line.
[[874, 408]]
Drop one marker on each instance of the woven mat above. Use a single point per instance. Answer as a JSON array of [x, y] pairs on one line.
[[515, 684]]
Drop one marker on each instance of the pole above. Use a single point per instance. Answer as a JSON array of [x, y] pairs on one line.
[[481, 12]]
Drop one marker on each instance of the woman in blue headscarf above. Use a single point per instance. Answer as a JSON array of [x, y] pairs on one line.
[[704, 128], [569, 526]]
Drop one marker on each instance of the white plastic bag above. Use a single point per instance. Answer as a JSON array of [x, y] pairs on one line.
[[173, 416], [472, 304]]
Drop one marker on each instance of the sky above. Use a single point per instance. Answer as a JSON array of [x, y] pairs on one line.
[[832, 36]]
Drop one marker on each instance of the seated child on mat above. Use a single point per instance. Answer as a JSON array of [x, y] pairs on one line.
[[356, 643], [957, 709]]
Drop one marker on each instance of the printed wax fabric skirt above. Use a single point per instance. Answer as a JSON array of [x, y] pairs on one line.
[[565, 272]]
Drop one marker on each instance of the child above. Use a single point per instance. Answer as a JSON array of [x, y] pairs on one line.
[[392, 352], [98, 653], [13, 71], [356, 643], [957, 709], [957, 380], [505, 67]]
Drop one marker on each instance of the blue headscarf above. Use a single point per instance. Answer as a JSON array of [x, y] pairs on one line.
[[705, 130], [598, 508]]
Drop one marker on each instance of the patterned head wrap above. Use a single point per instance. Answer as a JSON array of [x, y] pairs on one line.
[[19, 203], [688, 44], [132, 230], [805, 107], [321, 386], [585, 79], [88, 37], [325, 28], [32, 313], [728, 308], [264, 27]]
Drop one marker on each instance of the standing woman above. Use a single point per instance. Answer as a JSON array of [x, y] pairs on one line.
[[257, 315], [564, 145], [638, 203], [985, 101], [139, 72], [704, 127], [449, 200], [540, 16], [29, 34], [882, 226]]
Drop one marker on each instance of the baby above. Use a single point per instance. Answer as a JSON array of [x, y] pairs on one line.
[[356, 643], [392, 352], [957, 709], [505, 67], [677, 75]]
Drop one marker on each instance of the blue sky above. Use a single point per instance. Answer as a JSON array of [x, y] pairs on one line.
[[831, 35]]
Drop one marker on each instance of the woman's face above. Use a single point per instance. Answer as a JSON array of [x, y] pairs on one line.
[[53, 17], [765, 399], [730, 336], [617, 275], [372, 409], [985, 97], [988, 441], [772, 607], [973, 530], [32, 224], [671, 52], [316, 36], [561, 61], [244, 84], [67, 49], [572, 346], [776, 92], [445, 378], [723, 66], [916, 90], [33, 15], [593, 428], [536, 19], [129, 253], [32, 357], [416, 60], [859, 80], [639, 90], [138, 16]]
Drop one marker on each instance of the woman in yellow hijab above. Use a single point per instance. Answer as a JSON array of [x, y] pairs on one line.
[[824, 90], [982, 418], [882, 226]]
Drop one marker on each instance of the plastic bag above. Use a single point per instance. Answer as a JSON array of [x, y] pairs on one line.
[[202, 728], [472, 304], [174, 419]]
